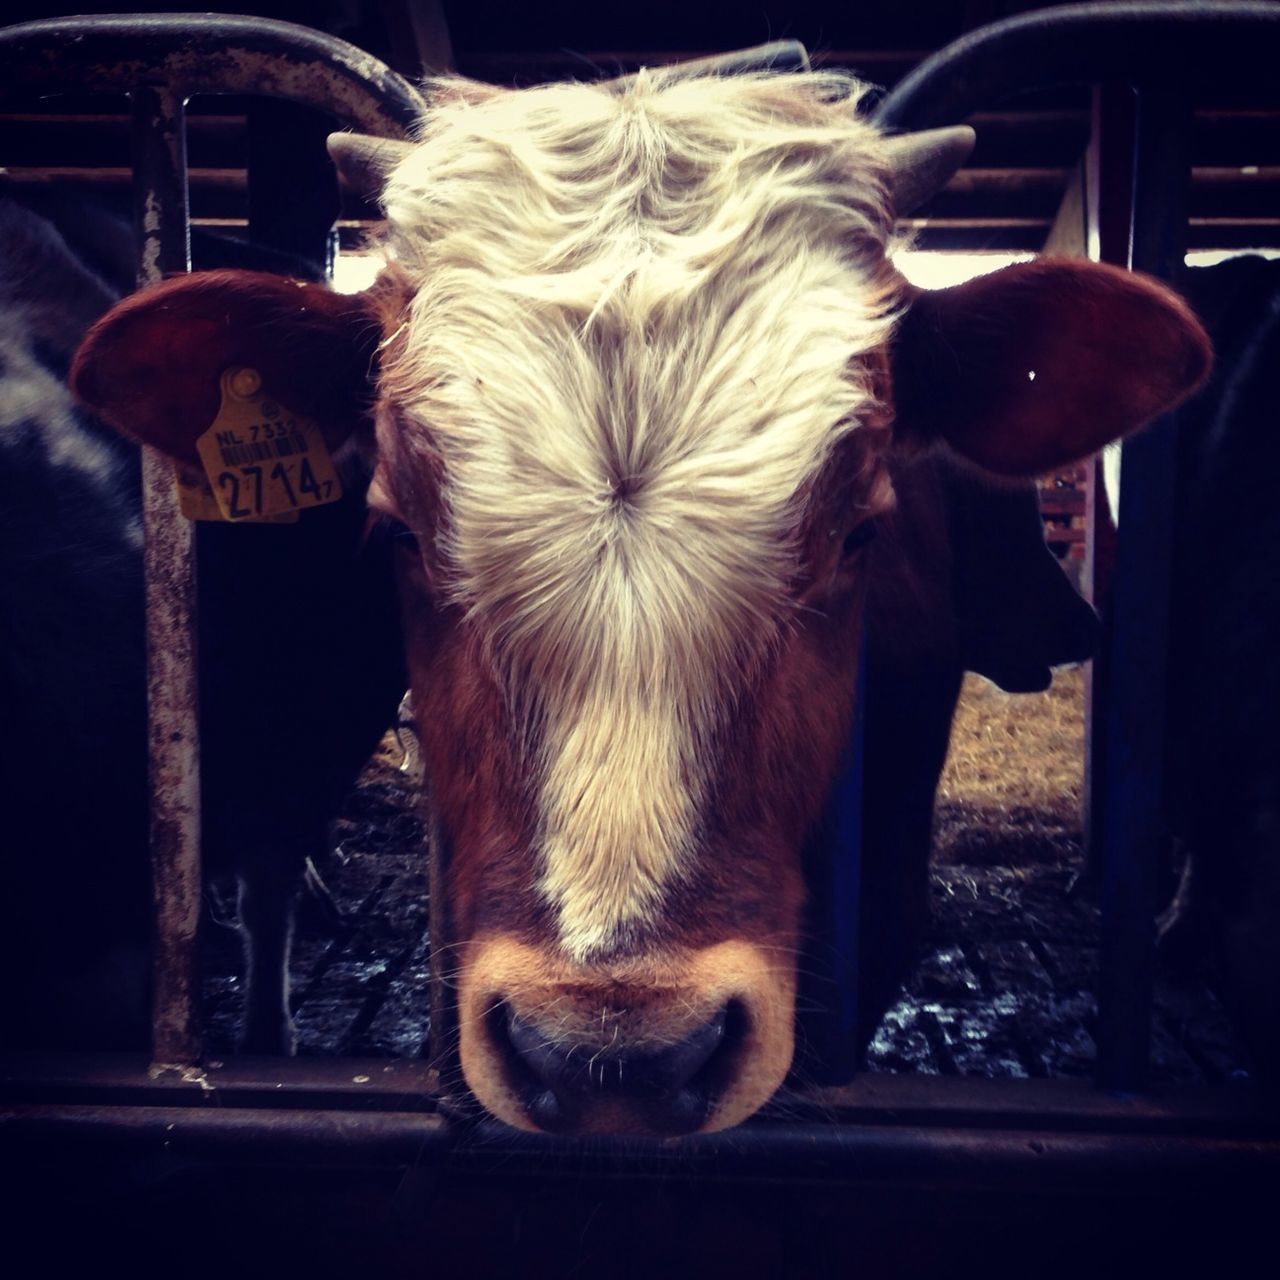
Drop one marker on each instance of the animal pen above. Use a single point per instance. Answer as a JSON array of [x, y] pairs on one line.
[[878, 1131]]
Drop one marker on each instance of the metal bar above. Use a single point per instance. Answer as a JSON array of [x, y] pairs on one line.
[[778, 55], [1174, 43], [443, 1041], [198, 54], [207, 53], [827, 1030], [1109, 167], [431, 36], [160, 195], [1134, 836], [1074, 1105], [1012, 1160]]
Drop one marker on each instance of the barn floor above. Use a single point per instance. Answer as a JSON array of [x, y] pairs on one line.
[[359, 982], [1004, 989]]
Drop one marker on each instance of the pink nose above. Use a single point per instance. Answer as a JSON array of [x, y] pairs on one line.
[[669, 1088]]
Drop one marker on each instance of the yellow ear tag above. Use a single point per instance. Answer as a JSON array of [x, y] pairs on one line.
[[260, 459], [195, 498]]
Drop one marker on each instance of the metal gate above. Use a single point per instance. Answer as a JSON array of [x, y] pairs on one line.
[[868, 1130]]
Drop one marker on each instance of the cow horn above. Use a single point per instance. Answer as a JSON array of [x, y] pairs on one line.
[[363, 162], [921, 164]]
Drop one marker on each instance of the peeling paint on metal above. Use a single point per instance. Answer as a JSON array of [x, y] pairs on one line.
[[187, 1074], [149, 266]]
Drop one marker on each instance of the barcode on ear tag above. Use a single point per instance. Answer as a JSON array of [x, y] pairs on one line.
[[261, 459]]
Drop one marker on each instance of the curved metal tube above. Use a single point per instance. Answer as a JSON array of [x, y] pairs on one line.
[[207, 53], [1178, 43]]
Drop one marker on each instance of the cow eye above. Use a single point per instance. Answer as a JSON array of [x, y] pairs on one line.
[[393, 530], [403, 536], [857, 538]]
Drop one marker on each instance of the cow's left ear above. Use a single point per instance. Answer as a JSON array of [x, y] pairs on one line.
[[1042, 363], [152, 366]]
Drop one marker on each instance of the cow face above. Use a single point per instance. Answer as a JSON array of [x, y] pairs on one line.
[[632, 405], [629, 594]]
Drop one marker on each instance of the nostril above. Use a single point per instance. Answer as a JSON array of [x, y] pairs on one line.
[[692, 1054], [717, 1069], [710, 1058], [547, 1111], [534, 1050], [530, 1064], [680, 1084], [674, 1086]]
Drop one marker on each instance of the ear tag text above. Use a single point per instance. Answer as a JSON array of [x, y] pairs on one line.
[[261, 460], [196, 500]]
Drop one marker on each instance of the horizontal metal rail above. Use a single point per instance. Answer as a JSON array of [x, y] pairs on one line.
[[1055, 1136], [929, 1155], [1233, 1109]]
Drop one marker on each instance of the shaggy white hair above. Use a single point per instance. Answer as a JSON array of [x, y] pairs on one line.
[[633, 342]]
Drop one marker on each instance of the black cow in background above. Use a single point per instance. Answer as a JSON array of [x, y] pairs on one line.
[[72, 680], [1224, 701], [300, 672], [960, 579]]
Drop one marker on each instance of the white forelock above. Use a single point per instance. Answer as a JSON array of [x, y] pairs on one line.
[[632, 343]]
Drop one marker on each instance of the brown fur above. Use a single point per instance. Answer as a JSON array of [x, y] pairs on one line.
[[650, 1000], [151, 366], [1109, 350]]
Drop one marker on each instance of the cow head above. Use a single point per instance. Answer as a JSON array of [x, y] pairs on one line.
[[633, 370]]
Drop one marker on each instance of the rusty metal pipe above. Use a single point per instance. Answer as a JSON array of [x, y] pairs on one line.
[[161, 226], [193, 53]]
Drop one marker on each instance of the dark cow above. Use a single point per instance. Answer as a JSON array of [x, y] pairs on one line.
[[960, 579], [1224, 683], [644, 358], [300, 673], [72, 683]]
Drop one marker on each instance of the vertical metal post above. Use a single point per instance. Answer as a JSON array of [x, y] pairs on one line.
[[442, 1045], [161, 224], [1134, 834], [1109, 204], [827, 1024]]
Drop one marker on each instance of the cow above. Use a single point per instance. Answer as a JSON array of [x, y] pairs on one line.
[[959, 578], [635, 372], [1223, 784], [301, 670], [70, 593]]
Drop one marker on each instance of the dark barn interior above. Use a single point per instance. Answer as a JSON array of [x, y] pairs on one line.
[[1006, 1118]]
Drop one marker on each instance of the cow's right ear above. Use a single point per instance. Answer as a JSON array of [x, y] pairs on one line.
[[152, 366], [1042, 363]]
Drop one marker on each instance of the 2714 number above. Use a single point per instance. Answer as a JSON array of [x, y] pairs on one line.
[[245, 490]]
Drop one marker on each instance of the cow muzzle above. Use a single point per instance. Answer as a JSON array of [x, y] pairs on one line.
[[654, 1047]]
